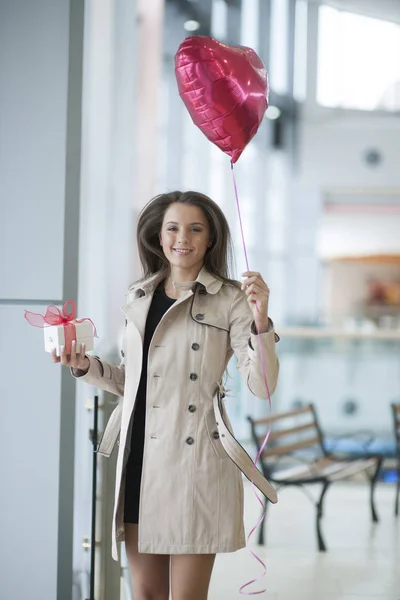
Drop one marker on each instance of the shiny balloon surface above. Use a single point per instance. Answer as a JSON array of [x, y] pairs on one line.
[[224, 88]]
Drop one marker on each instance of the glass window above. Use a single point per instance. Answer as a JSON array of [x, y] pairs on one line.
[[358, 61], [300, 52], [279, 49], [249, 24], [219, 19]]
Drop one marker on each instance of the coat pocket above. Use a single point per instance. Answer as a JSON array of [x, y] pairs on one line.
[[212, 431]]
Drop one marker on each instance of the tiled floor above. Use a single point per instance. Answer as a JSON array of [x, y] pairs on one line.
[[362, 561]]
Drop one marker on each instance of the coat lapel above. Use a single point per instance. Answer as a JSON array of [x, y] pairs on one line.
[[137, 311]]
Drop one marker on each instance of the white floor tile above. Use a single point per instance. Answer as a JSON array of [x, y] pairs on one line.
[[362, 561]]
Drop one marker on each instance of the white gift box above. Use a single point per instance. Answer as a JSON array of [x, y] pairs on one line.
[[54, 337]]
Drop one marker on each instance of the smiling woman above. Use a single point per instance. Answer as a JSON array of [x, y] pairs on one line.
[[190, 221], [179, 491], [185, 239]]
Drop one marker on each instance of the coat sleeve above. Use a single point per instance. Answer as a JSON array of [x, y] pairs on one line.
[[246, 344], [110, 378]]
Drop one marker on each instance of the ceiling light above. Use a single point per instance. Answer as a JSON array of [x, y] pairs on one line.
[[191, 25], [273, 113]]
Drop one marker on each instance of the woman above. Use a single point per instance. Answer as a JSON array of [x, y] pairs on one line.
[[179, 499]]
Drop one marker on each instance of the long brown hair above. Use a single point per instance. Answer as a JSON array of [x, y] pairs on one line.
[[219, 257]]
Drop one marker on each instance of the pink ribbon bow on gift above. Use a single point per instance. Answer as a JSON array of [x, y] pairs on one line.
[[54, 316]]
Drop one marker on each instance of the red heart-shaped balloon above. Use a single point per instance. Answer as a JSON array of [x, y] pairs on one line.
[[224, 88]]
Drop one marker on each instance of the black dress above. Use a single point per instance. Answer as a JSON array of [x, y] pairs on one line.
[[159, 306]]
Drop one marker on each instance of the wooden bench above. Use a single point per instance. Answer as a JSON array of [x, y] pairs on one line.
[[396, 424], [296, 439]]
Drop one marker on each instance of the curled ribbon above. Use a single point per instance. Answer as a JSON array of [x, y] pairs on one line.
[[54, 316], [264, 370]]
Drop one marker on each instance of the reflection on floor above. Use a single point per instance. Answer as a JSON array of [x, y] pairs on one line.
[[362, 561]]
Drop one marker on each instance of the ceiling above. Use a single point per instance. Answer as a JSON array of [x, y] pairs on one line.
[[383, 9], [388, 10], [179, 11]]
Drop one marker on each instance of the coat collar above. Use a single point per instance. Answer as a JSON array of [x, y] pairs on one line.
[[211, 283]]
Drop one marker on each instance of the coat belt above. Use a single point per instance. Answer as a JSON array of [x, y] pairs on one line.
[[111, 432], [113, 427], [234, 450]]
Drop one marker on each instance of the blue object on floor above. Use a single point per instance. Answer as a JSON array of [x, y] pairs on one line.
[[389, 476], [357, 446]]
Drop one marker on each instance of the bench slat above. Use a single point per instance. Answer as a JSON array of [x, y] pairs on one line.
[[325, 468], [355, 467], [318, 468], [284, 415], [275, 435], [289, 448]]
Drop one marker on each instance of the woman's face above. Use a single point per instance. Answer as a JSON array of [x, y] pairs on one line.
[[185, 236]]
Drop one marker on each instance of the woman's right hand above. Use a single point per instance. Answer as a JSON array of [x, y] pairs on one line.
[[78, 361]]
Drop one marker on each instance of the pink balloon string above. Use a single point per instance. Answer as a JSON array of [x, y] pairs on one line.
[[264, 371]]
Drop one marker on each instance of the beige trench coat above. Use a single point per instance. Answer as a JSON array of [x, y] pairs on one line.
[[191, 499]]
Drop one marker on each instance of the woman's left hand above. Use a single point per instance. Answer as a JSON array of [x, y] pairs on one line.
[[257, 293]]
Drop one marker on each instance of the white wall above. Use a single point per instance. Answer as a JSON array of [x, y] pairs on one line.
[[333, 144], [330, 163], [39, 192], [357, 233], [29, 469], [33, 113]]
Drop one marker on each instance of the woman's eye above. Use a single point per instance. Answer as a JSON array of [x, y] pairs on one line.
[[194, 229]]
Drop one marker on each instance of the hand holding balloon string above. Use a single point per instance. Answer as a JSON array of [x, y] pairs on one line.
[[257, 293]]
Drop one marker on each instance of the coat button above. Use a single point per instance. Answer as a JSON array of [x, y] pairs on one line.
[[189, 441], [192, 408], [200, 317], [193, 376], [215, 435], [203, 291], [122, 353], [195, 346]]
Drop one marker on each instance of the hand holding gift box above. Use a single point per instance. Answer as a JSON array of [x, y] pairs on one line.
[[61, 328]]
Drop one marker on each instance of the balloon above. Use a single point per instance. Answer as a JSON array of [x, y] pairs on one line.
[[224, 88]]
